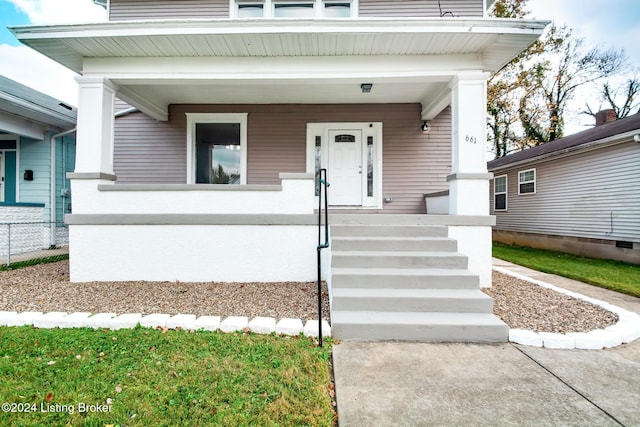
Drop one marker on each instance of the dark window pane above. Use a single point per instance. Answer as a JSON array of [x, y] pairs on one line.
[[500, 202], [529, 187], [217, 153]]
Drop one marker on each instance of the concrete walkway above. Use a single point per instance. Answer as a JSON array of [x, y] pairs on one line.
[[420, 384]]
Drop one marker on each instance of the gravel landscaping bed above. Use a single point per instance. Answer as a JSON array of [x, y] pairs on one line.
[[525, 305], [46, 287]]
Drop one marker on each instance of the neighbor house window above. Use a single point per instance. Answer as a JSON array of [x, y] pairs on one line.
[[500, 193], [527, 181], [217, 148]]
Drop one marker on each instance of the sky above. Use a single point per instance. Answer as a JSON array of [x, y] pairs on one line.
[[608, 23]]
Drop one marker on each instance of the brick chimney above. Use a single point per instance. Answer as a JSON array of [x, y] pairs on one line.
[[605, 116]]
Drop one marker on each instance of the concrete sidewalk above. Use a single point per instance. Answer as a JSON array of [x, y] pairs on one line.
[[421, 384]]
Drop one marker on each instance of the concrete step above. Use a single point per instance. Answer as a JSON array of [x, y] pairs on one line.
[[404, 278], [393, 243], [362, 218], [412, 326], [412, 300], [397, 259], [389, 230]]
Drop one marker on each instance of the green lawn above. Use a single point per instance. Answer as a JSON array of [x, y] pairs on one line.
[[35, 261], [147, 377], [615, 275]]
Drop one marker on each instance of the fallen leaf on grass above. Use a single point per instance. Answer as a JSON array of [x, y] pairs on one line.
[[49, 397]]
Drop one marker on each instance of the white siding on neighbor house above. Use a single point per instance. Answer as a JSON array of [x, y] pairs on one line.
[[592, 195], [123, 10], [414, 163], [420, 8]]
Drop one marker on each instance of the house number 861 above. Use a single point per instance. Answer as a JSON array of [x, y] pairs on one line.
[[471, 139]]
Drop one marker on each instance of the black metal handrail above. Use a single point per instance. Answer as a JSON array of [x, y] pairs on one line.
[[322, 183]]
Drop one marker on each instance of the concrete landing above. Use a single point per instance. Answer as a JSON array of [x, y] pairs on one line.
[[422, 384]]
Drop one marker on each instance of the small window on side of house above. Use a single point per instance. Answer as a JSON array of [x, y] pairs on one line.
[[337, 9], [282, 9], [527, 181], [500, 193], [250, 10]]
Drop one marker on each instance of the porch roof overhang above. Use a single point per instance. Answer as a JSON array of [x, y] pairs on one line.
[[157, 63]]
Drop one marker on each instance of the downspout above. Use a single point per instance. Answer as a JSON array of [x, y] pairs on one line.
[[52, 203]]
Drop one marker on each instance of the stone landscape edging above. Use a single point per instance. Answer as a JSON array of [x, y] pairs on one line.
[[258, 325], [626, 330]]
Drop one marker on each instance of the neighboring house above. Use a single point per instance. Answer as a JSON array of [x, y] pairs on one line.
[[37, 149], [241, 102], [579, 194]]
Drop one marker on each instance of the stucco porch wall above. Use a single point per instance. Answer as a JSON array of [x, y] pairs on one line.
[[195, 253], [293, 196], [222, 233]]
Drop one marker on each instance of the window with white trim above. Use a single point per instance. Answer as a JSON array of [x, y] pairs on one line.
[[287, 9], [500, 193], [247, 9], [527, 181], [217, 148], [250, 10]]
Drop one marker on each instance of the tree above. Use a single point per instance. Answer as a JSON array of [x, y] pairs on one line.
[[628, 92], [503, 87], [219, 176], [554, 78], [527, 99]]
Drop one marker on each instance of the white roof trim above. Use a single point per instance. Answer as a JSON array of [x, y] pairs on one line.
[[284, 26]]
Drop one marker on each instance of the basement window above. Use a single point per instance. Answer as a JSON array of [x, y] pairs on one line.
[[624, 245]]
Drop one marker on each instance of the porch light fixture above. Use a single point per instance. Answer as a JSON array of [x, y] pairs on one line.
[[366, 87], [424, 127]]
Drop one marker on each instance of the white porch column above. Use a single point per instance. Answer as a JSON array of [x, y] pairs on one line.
[[469, 180], [94, 139]]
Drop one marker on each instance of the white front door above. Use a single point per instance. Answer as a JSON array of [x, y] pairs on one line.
[[345, 166]]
